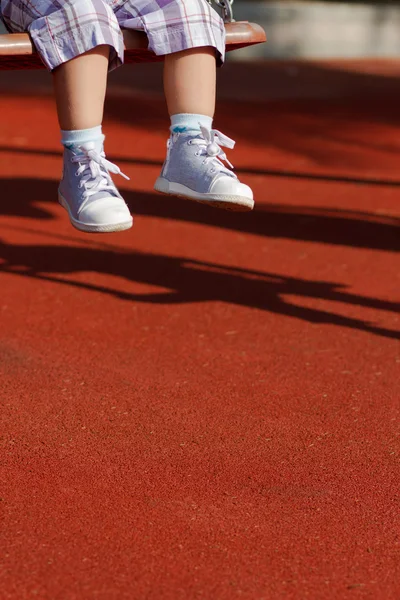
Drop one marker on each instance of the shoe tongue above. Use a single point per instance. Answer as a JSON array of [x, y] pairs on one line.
[[97, 146]]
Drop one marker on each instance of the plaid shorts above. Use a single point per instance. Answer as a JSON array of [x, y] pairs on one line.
[[62, 30]]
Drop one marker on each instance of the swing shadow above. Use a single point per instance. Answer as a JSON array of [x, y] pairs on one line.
[[306, 223], [190, 281], [185, 279]]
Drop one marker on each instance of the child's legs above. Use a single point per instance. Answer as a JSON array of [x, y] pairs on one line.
[[190, 81], [80, 87]]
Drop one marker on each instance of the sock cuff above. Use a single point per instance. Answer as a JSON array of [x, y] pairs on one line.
[[81, 136], [183, 122]]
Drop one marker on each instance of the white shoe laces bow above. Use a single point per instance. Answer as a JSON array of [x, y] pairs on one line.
[[95, 169], [210, 146]]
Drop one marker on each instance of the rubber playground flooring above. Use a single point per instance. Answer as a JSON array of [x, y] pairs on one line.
[[207, 405]]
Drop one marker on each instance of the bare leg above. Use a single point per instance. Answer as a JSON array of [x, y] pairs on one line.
[[194, 166], [80, 87], [190, 81]]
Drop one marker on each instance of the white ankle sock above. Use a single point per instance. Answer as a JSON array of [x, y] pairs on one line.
[[189, 123], [78, 137]]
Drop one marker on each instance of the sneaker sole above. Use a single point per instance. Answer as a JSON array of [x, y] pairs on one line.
[[87, 228], [224, 201]]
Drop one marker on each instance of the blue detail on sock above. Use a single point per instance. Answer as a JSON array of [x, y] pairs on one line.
[[180, 129], [81, 136], [187, 123]]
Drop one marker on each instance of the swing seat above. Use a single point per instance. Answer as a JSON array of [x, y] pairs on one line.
[[18, 52]]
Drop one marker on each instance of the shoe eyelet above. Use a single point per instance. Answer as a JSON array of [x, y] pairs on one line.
[[189, 143], [196, 154]]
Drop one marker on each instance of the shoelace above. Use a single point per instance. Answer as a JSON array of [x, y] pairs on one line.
[[95, 168], [210, 147]]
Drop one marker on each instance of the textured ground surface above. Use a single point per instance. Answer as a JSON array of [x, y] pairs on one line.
[[206, 406]]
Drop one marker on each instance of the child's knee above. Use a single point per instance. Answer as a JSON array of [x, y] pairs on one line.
[[67, 32], [204, 27], [198, 14], [179, 25]]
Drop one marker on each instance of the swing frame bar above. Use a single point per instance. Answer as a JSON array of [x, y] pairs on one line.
[[18, 52]]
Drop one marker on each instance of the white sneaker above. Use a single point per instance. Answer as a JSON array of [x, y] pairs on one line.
[[89, 194], [194, 169]]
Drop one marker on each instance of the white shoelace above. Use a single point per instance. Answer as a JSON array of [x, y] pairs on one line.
[[95, 168], [210, 147]]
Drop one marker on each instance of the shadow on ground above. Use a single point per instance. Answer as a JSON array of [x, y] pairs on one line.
[[195, 281], [306, 223]]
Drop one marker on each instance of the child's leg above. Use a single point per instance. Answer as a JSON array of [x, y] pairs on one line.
[[78, 40], [190, 81], [191, 37], [194, 167], [80, 87], [87, 191]]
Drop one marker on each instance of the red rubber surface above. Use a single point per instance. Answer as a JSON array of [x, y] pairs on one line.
[[207, 405]]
